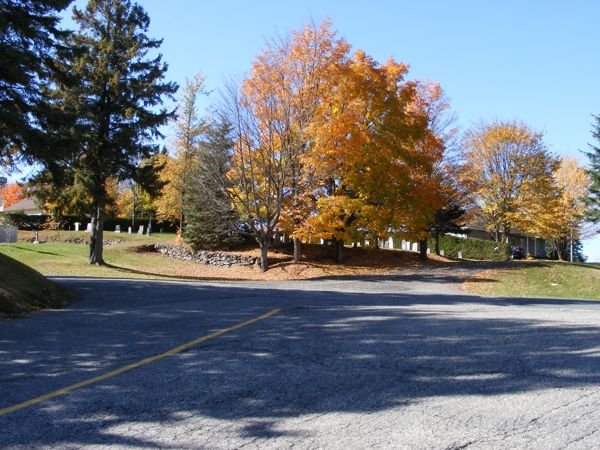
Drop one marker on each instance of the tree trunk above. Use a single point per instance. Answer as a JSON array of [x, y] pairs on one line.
[[339, 251], [133, 195], [264, 251], [437, 243], [571, 258], [559, 250], [97, 236], [423, 250], [297, 249]]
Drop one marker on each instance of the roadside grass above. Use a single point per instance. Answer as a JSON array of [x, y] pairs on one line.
[[539, 279], [56, 257], [23, 289]]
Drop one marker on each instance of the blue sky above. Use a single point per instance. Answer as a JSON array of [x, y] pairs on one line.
[[533, 61]]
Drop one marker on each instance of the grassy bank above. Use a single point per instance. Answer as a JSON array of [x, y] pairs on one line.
[[23, 289], [58, 255], [539, 279]]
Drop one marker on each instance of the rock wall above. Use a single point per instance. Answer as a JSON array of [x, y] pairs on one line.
[[206, 257]]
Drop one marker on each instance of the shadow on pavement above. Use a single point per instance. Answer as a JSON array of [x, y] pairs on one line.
[[325, 352]]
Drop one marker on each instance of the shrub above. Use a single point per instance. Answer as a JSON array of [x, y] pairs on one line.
[[472, 248]]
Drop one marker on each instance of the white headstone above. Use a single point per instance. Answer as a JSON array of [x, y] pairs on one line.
[[129, 230], [141, 230], [415, 247], [442, 252], [428, 250], [460, 255], [117, 228], [89, 227], [391, 242], [77, 225]]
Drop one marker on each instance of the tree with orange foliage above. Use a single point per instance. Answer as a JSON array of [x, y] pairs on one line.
[[288, 82], [270, 115], [11, 194], [373, 156]]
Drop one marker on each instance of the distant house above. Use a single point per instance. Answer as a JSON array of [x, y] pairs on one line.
[[531, 244], [27, 206]]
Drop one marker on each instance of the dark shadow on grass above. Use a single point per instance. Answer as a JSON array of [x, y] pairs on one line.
[[35, 251], [326, 352]]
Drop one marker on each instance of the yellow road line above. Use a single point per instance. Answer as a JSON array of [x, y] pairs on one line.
[[136, 364]]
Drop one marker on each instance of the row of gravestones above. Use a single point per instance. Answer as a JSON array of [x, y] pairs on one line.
[[117, 228], [405, 245]]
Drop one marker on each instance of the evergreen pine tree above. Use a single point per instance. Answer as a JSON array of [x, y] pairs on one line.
[[114, 98], [211, 222], [28, 32], [593, 213]]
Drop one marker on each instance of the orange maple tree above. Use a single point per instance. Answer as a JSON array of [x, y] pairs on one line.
[[11, 194], [373, 155]]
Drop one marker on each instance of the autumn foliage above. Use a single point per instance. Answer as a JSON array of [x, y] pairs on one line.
[[11, 194], [331, 145]]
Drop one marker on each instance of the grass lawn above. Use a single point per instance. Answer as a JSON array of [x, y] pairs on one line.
[[539, 279], [55, 257]]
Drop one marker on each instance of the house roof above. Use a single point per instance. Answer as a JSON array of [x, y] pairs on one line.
[[27, 205]]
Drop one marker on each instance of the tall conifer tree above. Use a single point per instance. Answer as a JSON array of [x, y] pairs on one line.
[[114, 98], [28, 32], [593, 213]]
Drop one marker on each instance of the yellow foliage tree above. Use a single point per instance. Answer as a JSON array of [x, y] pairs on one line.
[[511, 171], [169, 204], [563, 217]]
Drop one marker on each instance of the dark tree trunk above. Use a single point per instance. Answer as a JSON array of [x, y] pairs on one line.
[[297, 249], [264, 252], [339, 251], [97, 235], [423, 250], [437, 243]]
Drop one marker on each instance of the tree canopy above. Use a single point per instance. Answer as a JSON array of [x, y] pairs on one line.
[[28, 36], [114, 99]]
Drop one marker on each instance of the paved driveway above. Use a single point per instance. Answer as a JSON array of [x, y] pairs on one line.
[[398, 362]]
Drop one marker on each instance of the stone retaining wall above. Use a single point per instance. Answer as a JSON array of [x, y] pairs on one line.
[[206, 257]]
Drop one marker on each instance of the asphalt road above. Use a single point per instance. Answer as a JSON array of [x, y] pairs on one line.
[[395, 362]]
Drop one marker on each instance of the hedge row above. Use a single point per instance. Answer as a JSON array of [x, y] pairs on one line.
[[25, 222], [472, 248]]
